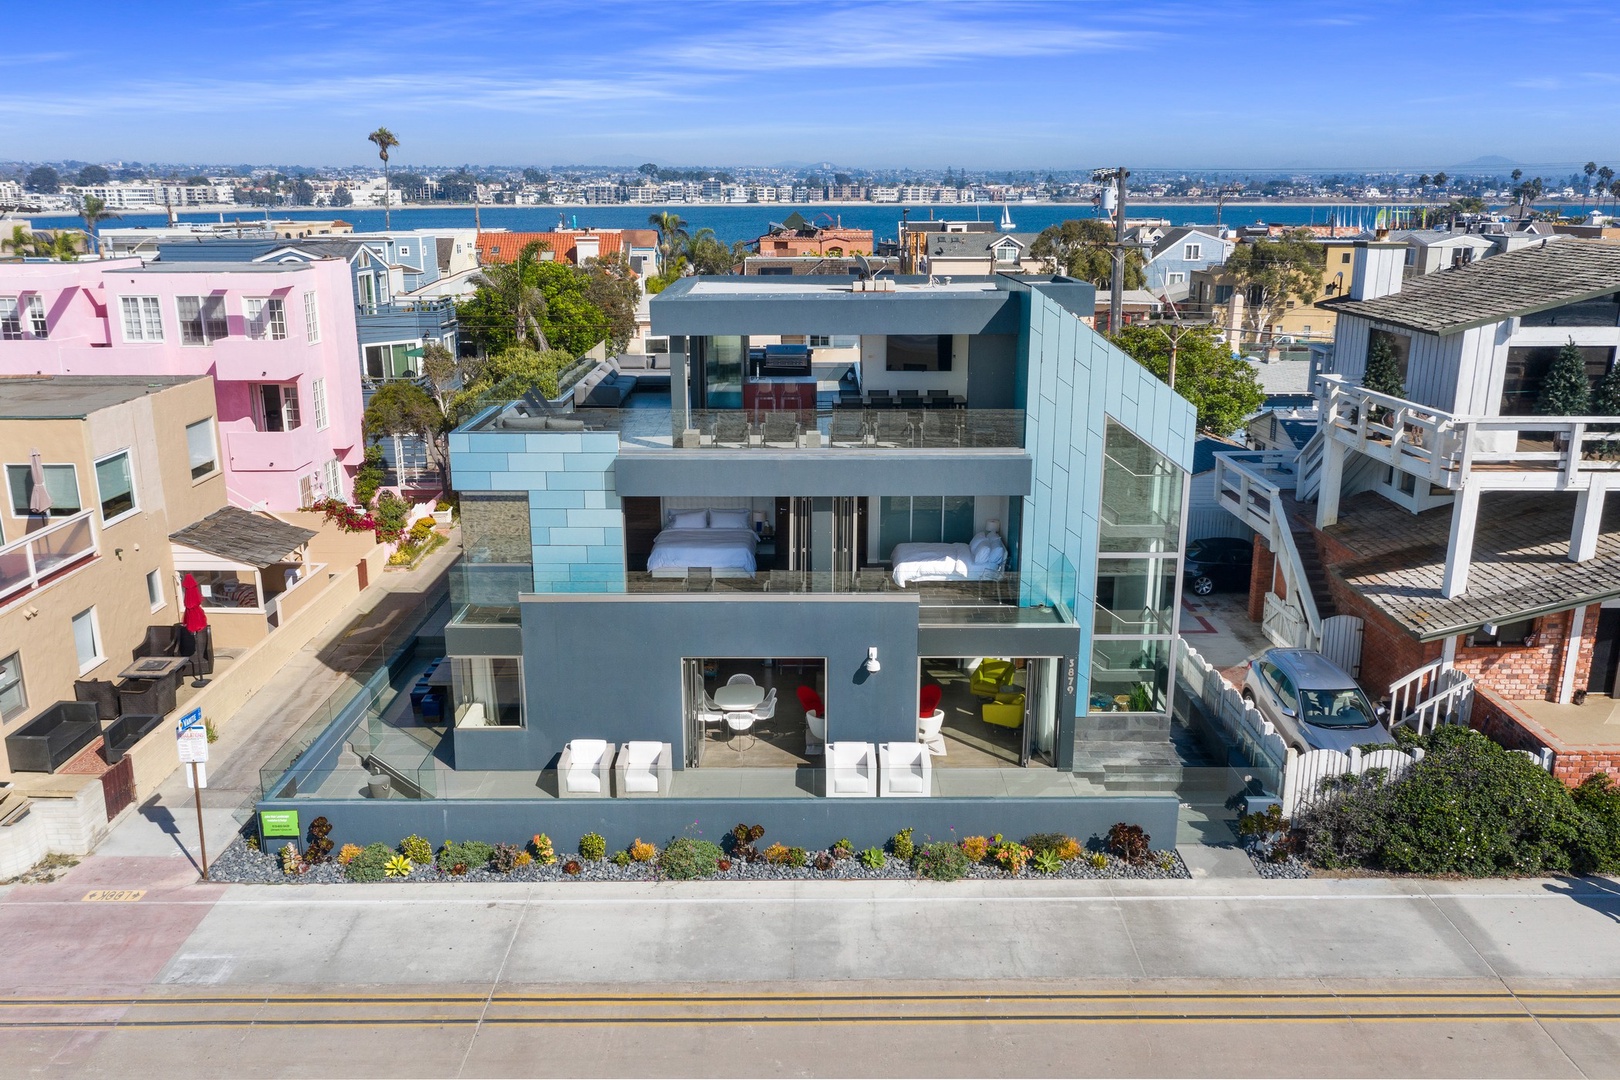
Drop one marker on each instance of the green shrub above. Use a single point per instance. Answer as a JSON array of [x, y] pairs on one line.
[[593, 846], [684, 859], [1469, 807], [416, 849], [370, 476], [903, 846], [1046, 841], [940, 861], [470, 854], [1046, 860], [797, 857], [370, 865], [1598, 848], [873, 858], [390, 515], [620, 858], [844, 849]]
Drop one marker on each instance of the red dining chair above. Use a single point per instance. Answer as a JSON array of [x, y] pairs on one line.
[[928, 700], [810, 700]]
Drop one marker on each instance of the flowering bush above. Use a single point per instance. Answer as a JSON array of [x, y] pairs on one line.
[[347, 853], [543, 852], [1009, 855], [642, 851], [976, 848]]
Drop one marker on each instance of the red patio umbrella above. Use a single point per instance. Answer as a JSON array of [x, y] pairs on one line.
[[192, 617]]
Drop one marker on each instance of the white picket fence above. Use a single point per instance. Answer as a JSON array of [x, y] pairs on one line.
[[1304, 774], [1294, 777], [1256, 738]]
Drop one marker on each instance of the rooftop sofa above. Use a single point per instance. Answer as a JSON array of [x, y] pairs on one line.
[[51, 739]]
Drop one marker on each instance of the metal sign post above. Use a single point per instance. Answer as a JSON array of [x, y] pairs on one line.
[[191, 740]]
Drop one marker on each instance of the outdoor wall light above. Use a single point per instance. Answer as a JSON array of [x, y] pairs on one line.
[[872, 664]]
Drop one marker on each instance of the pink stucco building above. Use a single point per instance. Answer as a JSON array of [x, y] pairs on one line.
[[278, 338]]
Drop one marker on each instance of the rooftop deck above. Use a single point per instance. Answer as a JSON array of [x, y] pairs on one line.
[[651, 423], [489, 594]]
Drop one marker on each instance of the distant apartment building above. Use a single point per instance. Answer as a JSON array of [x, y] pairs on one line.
[[577, 246], [798, 236], [278, 339]]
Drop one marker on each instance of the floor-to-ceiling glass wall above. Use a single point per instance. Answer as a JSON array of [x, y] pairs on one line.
[[1138, 568]]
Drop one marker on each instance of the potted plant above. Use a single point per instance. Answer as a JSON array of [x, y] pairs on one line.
[[378, 784], [441, 513]]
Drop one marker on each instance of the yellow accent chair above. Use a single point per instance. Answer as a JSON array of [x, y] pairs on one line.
[[1007, 711], [991, 678]]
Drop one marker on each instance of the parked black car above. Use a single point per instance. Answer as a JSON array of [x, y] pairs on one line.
[[1219, 562]]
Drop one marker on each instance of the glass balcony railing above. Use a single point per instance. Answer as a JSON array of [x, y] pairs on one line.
[[488, 593], [29, 560], [855, 427]]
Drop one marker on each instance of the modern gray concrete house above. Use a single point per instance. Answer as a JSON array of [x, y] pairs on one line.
[[890, 552]]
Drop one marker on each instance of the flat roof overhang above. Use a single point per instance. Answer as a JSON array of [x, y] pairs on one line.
[[829, 471], [766, 306]]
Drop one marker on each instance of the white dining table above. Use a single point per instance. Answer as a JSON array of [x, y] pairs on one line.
[[739, 697]]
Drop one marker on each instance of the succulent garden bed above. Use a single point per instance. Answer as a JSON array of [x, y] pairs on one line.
[[1124, 854]]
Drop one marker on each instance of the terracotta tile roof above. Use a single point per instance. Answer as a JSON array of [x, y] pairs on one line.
[[503, 247], [1520, 567], [1514, 283]]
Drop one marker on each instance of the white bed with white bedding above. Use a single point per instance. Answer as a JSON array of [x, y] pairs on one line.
[[720, 541], [982, 559]]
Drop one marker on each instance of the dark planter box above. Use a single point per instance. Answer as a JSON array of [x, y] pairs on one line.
[[122, 735], [51, 739]]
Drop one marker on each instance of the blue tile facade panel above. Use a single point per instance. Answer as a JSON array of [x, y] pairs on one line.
[[1076, 381], [576, 521]]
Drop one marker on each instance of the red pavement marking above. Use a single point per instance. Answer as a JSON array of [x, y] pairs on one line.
[[1206, 626], [57, 943]]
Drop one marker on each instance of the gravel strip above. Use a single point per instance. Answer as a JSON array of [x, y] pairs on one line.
[[240, 864], [1291, 867]]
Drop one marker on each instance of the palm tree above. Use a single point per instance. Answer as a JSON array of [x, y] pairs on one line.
[[508, 285], [1604, 174], [94, 213], [21, 238], [1590, 169], [385, 141], [672, 238]]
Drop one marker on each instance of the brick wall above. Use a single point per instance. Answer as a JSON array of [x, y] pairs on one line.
[[1533, 671], [1262, 568], [1388, 651], [1505, 723]]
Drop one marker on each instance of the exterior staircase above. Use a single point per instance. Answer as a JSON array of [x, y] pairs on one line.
[[1310, 566], [1127, 752]]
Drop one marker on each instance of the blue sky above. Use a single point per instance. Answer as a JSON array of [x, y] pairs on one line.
[[1058, 84]]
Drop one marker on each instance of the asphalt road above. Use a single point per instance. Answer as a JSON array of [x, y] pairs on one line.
[[1225, 978]]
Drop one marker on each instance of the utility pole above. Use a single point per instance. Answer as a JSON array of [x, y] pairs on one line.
[[1116, 296]]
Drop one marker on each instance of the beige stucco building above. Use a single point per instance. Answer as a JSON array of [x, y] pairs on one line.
[[127, 461]]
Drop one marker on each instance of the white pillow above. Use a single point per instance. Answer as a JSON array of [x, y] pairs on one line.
[[689, 519], [730, 519], [991, 554]]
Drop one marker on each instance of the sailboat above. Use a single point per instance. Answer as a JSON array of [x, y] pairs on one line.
[[1006, 219]]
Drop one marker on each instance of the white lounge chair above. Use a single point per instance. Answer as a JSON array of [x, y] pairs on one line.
[[643, 770], [905, 770], [740, 680], [929, 732], [583, 769], [851, 770]]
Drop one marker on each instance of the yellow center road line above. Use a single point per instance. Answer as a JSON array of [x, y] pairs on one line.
[[701, 999], [820, 1021]]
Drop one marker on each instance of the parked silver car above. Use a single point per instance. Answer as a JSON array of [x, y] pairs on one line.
[[1311, 701]]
